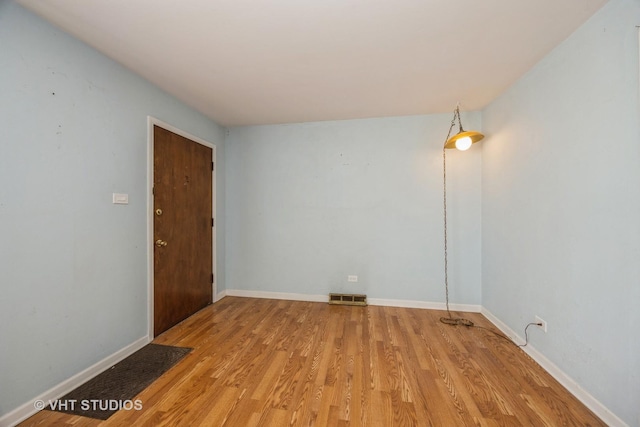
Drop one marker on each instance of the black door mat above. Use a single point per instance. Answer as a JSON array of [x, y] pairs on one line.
[[115, 388]]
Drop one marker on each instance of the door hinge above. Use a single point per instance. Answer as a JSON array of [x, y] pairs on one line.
[[212, 277], [213, 166], [213, 222], [153, 191]]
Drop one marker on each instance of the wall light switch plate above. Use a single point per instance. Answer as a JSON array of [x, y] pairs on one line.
[[120, 199]]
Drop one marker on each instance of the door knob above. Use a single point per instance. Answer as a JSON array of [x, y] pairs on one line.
[[158, 212], [161, 243]]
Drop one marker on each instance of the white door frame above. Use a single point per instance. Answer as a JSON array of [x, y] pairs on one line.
[[151, 122]]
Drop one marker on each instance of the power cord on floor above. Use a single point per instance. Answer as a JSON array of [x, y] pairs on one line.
[[526, 335], [455, 321]]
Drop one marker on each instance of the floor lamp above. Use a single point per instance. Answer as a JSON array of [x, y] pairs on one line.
[[461, 141]]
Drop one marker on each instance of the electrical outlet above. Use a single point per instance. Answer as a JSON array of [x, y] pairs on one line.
[[542, 324], [352, 278]]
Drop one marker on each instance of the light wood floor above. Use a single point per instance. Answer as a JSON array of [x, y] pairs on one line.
[[259, 362]]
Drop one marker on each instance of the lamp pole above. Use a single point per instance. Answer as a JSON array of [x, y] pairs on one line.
[[462, 141]]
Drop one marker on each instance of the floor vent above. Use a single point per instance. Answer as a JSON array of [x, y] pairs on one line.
[[347, 299]]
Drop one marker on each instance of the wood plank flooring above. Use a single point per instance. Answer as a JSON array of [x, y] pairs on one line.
[[260, 362]]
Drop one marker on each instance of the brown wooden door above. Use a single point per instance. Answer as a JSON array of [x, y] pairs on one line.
[[183, 267]]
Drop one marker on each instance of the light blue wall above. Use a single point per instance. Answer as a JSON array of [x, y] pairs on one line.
[[561, 207], [73, 266], [312, 203]]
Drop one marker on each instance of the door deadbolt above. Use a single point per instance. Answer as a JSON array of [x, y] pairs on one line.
[[158, 212], [161, 243]]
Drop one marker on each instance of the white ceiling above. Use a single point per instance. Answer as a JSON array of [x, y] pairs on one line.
[[247, 62]]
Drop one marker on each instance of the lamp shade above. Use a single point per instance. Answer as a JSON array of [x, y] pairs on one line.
[[473, 135]]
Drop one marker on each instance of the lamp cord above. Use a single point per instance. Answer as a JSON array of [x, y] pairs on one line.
[[449, 320]]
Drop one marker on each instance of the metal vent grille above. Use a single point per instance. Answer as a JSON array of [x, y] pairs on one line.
[[348, 299]]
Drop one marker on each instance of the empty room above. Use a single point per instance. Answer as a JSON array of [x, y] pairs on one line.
[[319, 213]]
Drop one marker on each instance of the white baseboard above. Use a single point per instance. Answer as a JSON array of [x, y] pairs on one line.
[[371, 301], [220, 295], [574, 388], [468, 308], [276, 295], [23, 412]]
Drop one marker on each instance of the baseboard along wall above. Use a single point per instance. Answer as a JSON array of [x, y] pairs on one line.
[[26, 410]]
